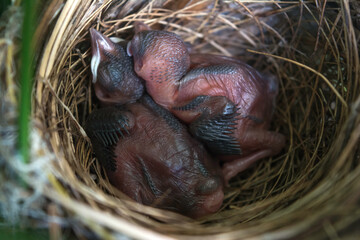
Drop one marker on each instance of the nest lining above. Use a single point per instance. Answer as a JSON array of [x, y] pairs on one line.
[[305, 189]]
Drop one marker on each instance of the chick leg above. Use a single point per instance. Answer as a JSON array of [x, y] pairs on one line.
[[270, 143]]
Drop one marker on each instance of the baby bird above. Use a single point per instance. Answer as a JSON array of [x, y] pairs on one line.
[[227, 104], [147, 153]]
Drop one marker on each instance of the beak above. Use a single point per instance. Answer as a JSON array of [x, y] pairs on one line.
[[128, 49], [140, 26], [99, 44]]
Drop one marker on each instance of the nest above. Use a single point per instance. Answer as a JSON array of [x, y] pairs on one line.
[[310, 189]]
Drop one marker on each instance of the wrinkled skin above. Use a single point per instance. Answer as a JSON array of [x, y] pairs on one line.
[[147, 153], [227, 104]]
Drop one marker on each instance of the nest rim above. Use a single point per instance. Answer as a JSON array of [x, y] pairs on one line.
[[54, 84]]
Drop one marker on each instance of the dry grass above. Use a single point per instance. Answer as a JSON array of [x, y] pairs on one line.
[[310, 189]]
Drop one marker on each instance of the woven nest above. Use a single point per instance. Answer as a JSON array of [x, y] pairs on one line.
[[310, 189]]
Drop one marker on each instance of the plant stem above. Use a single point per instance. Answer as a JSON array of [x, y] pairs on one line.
[[26, 77]]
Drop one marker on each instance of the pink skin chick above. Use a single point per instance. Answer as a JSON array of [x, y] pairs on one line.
[[147, 153], [227, 104]]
